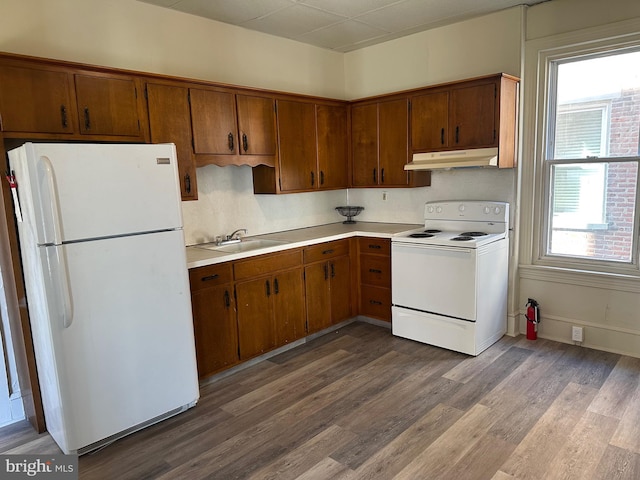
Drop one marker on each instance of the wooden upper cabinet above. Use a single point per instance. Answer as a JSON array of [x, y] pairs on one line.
[[333, 154], [107, 106], [380, 145], [430, 121], [256, 125], [213, 116], [364, 144], [473, 116], [170, 122], [35, 100], [393, 134], [477, 113], [297, 145]]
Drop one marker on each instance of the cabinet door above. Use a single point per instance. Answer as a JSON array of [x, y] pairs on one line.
[[107, 106], [170, 122], [34, 100], [393, 127], [297, 143], [429, 121], [256, 328], [472, 116], [333, 163], [317, 296], [213, 117], [288, 306], [340, 286], [364, 144], [256, 125], [215, 329]]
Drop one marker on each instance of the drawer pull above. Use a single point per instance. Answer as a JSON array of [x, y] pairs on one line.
[[209, 277], [377, 247], [327, 252], [375, 302], [374, 270]]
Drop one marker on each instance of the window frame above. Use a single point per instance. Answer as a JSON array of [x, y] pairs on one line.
[[546, 116]]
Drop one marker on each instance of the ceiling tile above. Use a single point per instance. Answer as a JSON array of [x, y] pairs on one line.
[[231, 11], [341, 34], [348, 8], [328, 23], [293, 21]]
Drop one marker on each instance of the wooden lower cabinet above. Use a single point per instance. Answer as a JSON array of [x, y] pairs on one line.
[[269, 301], [214, 318], [327, 285], [375, 277]]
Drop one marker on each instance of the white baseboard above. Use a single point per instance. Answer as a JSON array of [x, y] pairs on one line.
[[597, 336]]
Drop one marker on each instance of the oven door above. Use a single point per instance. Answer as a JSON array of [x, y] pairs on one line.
[[435, 279]]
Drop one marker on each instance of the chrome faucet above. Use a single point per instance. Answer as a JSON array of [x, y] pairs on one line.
[[233, 237]]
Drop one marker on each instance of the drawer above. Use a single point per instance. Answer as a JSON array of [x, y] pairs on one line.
[[209, 276], [324, 251], [375, 302], [376, 246], [375, 270], [267, 264]]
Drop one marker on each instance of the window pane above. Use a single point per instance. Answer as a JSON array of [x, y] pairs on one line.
[[593, 210], [597, 107]]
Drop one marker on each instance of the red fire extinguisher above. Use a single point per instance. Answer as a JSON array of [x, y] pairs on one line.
[[533, 319]]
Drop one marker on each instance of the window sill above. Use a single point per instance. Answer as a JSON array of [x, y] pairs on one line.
[[585, 278]]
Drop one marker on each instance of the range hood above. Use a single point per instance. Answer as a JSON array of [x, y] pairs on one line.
[[476, 157]]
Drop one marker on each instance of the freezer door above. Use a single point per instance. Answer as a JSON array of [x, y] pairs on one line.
[[123, 351], [71, 192]]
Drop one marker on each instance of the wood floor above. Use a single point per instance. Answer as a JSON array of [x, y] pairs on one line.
[[362, 404]]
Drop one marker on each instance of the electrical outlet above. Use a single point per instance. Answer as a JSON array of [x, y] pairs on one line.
[[384, 195], [577, 334]]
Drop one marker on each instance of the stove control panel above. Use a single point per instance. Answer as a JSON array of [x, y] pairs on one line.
[[467, 210]]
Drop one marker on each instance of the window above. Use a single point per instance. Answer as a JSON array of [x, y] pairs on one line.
[[591, 159]]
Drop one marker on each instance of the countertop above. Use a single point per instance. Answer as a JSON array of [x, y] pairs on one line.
[[199, 257]]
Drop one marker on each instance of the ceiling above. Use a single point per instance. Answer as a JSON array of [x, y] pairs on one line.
[[340, 25]]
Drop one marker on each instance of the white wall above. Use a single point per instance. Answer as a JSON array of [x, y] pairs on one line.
[[138, 36], [480, 46], [606, 306]]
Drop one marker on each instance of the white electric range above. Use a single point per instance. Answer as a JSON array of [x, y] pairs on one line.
[[449, 279]]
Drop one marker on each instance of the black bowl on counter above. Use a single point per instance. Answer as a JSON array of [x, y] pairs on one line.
[[349, 212]]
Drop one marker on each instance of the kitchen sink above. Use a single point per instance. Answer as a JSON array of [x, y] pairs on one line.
[[242, 246]]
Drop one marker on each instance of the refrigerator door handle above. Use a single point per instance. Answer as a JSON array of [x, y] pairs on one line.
[[57, 261], [51, 225]]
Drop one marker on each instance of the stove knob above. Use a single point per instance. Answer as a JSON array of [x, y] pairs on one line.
[[461, 207], [430, 209], [438, 209], [497, 210], [487, 210]]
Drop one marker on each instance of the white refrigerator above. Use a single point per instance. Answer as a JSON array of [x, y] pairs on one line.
[[103, 254]]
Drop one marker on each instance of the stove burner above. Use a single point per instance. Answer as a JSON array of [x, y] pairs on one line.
[[420, 235], [432, 230], [462, 238], [473, 234]]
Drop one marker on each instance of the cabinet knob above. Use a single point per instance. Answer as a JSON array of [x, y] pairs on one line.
[[442, 135], [231, 143], [245, 142], [313, 179], [187, 183], [374, 270], [457, 134], [377, 247]]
